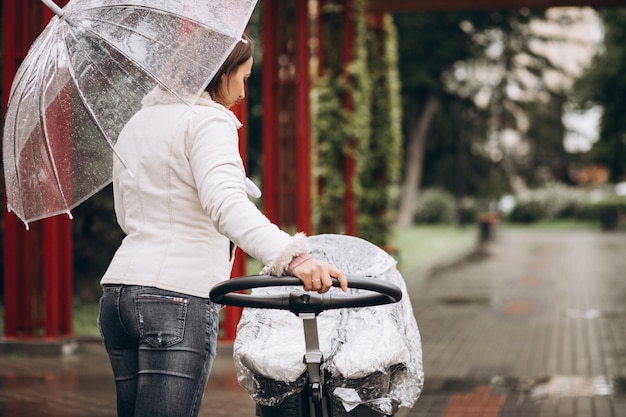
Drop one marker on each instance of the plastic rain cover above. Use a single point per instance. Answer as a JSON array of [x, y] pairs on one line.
[[372, 354]]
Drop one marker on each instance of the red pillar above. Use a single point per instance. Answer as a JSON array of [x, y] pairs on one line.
[[271, 154], [350, 165], [38, 262], [286, 120], [303, 119]]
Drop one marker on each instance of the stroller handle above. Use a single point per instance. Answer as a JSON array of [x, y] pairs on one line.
[[303, 302]]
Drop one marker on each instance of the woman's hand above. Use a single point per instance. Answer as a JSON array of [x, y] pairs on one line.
[[316, 276]]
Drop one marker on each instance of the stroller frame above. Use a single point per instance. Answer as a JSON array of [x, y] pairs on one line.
[[313, 401]]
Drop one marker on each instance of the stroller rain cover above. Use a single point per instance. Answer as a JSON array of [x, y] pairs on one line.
[[372, 354]]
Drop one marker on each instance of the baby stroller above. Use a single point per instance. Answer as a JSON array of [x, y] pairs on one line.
[[361, 353]]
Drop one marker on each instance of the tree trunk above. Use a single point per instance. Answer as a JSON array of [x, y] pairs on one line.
[[418, 128]]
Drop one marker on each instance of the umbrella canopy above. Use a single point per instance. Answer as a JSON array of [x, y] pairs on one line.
[[84, 78]]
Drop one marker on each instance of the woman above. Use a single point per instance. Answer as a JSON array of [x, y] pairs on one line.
[[183, 204]]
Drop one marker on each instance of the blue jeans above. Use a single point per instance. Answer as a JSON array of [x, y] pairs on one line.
[[161, 345]]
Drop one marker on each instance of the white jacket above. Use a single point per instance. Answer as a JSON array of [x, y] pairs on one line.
[[180, 196]]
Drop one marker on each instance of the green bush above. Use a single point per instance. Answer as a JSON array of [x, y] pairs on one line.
[[526, 210], [608, 212], [555, 201], [467, 211], [435, 205]]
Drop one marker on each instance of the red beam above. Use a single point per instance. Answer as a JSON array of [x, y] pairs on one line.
[[402, 6]]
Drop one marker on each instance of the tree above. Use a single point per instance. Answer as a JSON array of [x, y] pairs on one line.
[[429, 44], [529, 63], [605, 85]]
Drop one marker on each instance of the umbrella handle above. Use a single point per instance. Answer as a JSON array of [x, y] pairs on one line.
[[53, 6]]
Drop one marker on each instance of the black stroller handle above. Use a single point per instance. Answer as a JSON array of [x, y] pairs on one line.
[[305, 302]]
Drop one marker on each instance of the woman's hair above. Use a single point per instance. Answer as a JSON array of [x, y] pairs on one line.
[[240, 54]]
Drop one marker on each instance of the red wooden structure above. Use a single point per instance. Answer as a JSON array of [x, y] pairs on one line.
[[286, 117], [37, 263]]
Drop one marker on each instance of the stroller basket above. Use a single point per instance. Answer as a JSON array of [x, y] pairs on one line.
[[297, 405]]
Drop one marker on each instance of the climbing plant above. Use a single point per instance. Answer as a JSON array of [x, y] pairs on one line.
[[357, 118], [380, 164], [330, 133]]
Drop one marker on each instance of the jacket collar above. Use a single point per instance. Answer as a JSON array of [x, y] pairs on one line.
[[159, 96]]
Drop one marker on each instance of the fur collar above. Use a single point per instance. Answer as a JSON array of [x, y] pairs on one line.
[[160, 96]]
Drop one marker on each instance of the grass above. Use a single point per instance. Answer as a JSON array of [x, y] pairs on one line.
[[421, 245], [85, 319]]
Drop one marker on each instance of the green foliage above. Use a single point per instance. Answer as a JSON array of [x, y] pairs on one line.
[[467, 211], [527, 210], [429, 44], [546, 155], [453, 160], [475, 63], [380, 164], [555, 201], [609, 212], [367, 133], [340, 133], [331, 137], [96, 237], [85, 319], [605, 85], [435, 205]]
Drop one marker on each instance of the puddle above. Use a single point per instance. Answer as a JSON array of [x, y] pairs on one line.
[[573, 386], [561, 386], [588, 314], [464, 301]]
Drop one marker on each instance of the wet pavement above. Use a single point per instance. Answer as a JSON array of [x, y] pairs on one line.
[[532, 326]]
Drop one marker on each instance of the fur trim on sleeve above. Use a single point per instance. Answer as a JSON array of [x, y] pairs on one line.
[[297, 246]]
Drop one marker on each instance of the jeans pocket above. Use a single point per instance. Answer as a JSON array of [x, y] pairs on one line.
[[161, 319]]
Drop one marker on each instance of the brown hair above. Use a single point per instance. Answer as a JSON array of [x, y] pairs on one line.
[[240, 54]]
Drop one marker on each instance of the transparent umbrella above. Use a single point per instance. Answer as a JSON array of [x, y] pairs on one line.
[[85, 76]]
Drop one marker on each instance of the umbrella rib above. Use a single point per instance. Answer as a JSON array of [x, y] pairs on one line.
[[15, 134], [44, 127], [18, 81], [91, 114], [15, 155], [130, 29], [149, 73]]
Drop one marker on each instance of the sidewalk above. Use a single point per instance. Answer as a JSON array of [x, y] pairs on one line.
[[533, 327]]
